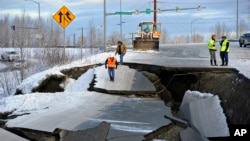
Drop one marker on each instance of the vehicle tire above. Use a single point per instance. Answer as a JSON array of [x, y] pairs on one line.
[[245, 45]]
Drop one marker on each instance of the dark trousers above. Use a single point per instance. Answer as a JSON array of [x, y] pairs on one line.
[[121, 58], [224, 58]]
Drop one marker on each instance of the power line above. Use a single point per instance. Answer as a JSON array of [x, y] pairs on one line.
[[199, 22], [218, 2]]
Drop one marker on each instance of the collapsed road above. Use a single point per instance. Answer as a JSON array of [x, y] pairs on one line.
[[121, 115]]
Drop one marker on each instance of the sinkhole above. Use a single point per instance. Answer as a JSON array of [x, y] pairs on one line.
[[231, 86]]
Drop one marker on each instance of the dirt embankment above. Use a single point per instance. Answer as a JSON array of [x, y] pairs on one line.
[[171, 84]]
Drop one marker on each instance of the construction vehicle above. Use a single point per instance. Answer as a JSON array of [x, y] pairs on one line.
[[147, 36], [149, 32]]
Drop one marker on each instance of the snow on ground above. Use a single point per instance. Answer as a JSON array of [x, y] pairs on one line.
[[2, 66], [35, 79], [75, 92], [242, 65], [37, 101], [82, 83], [63, 110]]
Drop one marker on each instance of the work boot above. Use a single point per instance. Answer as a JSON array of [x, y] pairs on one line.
[[215, 63], [211, 62], [222, 63]]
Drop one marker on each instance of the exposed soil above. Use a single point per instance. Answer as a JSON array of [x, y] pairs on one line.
[[171, 83]]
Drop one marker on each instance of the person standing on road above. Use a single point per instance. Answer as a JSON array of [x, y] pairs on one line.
[[212, 50], [111, 64], [121, 50], [224, 50]]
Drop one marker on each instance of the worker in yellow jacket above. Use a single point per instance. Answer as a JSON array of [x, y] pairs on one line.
[[224, 50], [212, 49]]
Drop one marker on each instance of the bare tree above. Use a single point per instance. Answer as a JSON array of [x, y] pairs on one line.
[[52, 34], [220, 30], [4, 32], [92, 34], [113, 38], [242, 27], [180, 39], [6, 83], [99, 37], [198, 38], [164, 36]]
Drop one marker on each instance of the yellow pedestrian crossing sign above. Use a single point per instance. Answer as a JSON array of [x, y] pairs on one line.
[[64, 16]]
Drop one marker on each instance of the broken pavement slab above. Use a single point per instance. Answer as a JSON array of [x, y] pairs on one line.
[[127, 81], [127, 116], [190, 134], [205, 114], [8, 136], [98, 133]]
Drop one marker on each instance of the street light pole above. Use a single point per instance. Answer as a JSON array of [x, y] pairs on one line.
[[39, 19], [120, 20], [194, 35], [104, 25], [192, 27], [39, 16], [82, 43], [237, 20]]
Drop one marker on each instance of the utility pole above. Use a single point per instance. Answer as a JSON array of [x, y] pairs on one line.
[[155, 10], [237, 20], [74, 40], [104, 25], [105, 14], [82, 43], [120, 20], [191, 29]]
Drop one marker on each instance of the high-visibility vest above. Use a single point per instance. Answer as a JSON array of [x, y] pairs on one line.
[[111, 62], [224, 46], [211, 44]]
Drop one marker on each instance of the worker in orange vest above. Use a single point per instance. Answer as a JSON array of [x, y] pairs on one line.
[[111, 64]]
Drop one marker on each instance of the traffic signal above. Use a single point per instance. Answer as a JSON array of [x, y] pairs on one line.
[[13, 27]]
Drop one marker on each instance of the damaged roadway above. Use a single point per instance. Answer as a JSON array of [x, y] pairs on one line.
[[127, 81], [130, 117]]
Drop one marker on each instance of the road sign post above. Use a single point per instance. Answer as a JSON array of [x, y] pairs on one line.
[[64, 17]]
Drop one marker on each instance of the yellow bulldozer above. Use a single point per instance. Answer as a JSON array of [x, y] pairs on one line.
[[147, 37], [149, 32]]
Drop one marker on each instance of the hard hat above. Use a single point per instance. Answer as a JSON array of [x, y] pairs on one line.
[[111, 55]]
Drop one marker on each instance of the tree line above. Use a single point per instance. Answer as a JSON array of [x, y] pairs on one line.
[[23, 31]]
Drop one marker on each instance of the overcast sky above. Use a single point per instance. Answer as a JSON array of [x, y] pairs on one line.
[[176, 23]]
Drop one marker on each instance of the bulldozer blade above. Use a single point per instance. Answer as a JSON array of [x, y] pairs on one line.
[[146, 45]]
